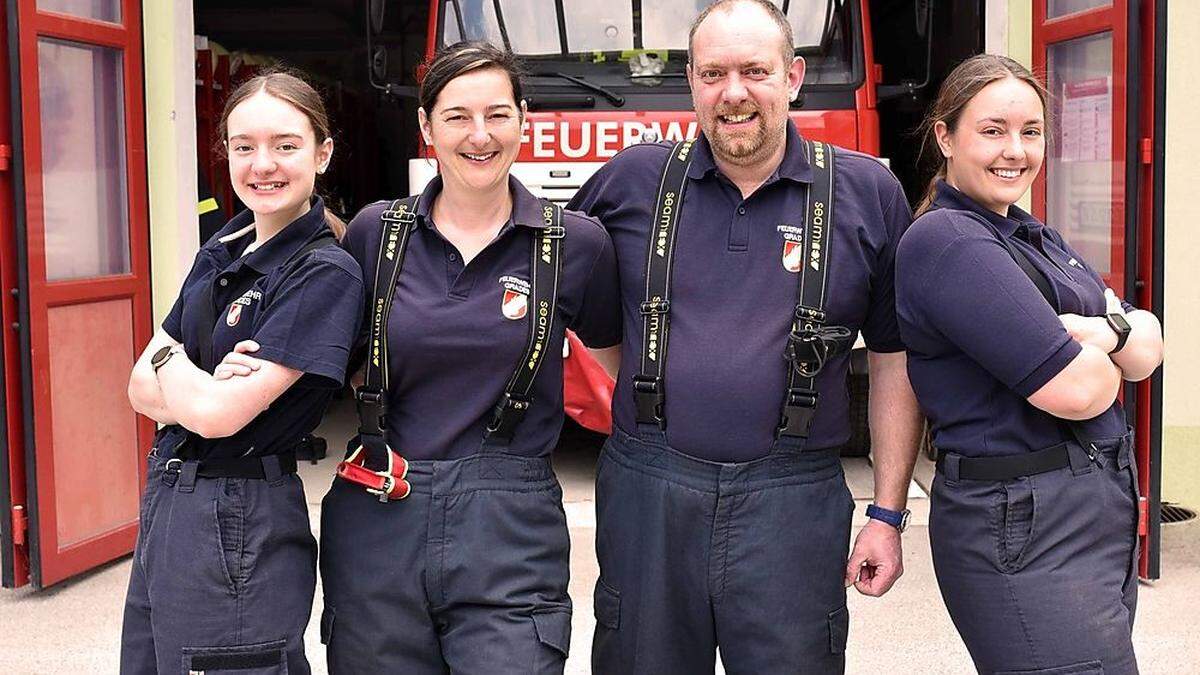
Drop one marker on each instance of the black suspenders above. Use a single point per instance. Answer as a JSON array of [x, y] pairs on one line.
[[648, 393], [810, 344], [399, 221]]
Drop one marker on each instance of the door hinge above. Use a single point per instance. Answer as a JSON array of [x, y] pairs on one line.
[[20, 524], [1143, 517], [1147, 151]]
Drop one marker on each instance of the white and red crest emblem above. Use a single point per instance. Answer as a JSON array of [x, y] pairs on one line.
[[234, 315], [793, 256], [514, 305]]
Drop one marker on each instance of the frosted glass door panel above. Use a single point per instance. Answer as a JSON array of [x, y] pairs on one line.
[[101, 10], [1079, 167], [86, 205]]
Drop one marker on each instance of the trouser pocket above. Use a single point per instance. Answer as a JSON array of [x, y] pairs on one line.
[[553, 629], [607, 605], [264, 658], [327, 618], [1081, 668], [839, 630], [1017, 512]]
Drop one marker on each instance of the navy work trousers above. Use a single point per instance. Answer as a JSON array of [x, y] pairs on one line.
[[695, 555], [223, 574], [468, 574], [1039, 573]]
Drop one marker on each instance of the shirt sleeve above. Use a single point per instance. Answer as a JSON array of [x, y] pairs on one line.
[[881, 329], [313, 319], [172, 325], [974, 294], [598, 322]]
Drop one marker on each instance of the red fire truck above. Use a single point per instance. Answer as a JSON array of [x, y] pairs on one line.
[[611, 76]]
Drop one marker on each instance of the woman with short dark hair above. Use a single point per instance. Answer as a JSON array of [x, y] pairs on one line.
[[444, 545]]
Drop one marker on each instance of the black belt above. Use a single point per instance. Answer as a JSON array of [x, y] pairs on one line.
[[1007, 467], [235, 467]]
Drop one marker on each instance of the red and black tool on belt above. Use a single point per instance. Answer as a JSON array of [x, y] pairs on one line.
[[373, 464]]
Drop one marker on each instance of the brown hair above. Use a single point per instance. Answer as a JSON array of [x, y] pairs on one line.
[[772, 10], [301, 95], [461, 58], [961, 85]]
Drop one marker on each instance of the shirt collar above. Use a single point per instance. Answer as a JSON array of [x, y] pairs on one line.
[[794, 166], [526, 211], [237, 235], [949, 197]]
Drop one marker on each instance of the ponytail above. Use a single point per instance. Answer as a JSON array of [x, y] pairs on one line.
[[336, 224], [930, 191]]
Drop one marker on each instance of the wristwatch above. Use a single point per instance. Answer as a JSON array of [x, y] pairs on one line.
[[161, 357], [897, 519], [1120, 326]]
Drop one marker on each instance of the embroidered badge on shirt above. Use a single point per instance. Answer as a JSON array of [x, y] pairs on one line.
[[515, 302], [793, 249], [235, 308]]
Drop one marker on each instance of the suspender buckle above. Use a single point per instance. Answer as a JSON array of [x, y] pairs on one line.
[[402, 216], [809, 315], [648, 396], [655, 307], [372, 410], [507, 414], [798, 411], [554, 231]]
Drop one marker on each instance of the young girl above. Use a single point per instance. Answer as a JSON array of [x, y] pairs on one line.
[[225, 565], [1016, 350]]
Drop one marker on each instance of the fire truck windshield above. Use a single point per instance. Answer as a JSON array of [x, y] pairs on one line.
[[582, 36]]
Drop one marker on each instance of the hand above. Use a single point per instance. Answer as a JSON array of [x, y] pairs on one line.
[[1090, 330], [238, 363], [1112, 304], [876, 561]]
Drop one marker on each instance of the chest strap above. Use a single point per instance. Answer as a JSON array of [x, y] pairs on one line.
[[399, 221], [810, 342]]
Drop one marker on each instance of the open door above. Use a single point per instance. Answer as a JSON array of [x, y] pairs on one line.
[[1097, 186], [82, 277]]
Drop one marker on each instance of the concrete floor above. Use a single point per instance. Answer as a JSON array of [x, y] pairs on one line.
[[75, 626]]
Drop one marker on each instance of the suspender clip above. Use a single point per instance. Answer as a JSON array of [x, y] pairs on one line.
[[648, 396], [372, 410], [798, 411], [402, 216], [655, 307], [507, 414]]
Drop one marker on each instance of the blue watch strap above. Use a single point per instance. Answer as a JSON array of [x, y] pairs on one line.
[[894, 518]]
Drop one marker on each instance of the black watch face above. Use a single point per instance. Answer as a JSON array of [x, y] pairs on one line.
[[160, 356], [1119, 323]]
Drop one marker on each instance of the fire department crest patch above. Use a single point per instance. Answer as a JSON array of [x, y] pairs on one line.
[[793, 256], [515, 302], [234, 315]]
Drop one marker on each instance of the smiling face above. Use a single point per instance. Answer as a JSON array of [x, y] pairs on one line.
[[741, 84], [475, 129], [996, 149], [273, 157]]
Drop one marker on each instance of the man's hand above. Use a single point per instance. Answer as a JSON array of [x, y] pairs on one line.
[[876, 561], [238, 363]]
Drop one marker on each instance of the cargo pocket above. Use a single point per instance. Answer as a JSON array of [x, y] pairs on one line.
[[554, 634], [327, 617], [264, 658], [1018, 507], [607, 603], [1082, 668], [839, 630]]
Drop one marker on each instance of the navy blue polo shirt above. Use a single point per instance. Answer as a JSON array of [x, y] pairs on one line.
[[304, 312], [981, 338], [454, 341], [732, 298]]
